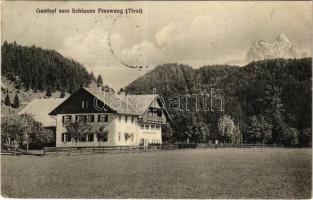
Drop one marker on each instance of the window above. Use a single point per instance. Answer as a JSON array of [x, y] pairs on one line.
[[152, 127], [85, 118], [105, 138], [119, 117], [85, 104], [159, 113], [147, 127], [119, 136], [157, 127], [142, 126], [66, 137], [90, 137], [91, 118], [63, 137], [83, 138], [79, 118], [68, 119], [103, 118], [132, 119], [126, 118]]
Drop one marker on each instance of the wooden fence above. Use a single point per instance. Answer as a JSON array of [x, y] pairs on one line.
[[99, 149], [221, 145], [154, 147]]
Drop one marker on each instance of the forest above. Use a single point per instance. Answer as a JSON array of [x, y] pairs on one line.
[[265, 102], [40, 69]]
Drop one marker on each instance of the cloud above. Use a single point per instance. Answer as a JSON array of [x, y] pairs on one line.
[[144, 53], [165, 34], [92, 48]]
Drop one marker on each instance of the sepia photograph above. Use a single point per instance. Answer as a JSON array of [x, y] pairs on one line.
[[156, 99]]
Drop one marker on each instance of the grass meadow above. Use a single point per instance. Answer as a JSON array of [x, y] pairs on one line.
[[202, 173]]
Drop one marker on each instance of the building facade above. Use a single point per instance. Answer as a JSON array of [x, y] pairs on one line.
[[128, 119]]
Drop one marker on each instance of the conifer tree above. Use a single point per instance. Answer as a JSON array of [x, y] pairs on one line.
[[16, 102], [48, 93], [7, 101], [99, 80], [62, 95]]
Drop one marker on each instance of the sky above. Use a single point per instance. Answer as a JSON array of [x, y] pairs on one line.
[[193, 33]]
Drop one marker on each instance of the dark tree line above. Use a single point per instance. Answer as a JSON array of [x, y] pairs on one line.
[[267, 101], [39, 69]]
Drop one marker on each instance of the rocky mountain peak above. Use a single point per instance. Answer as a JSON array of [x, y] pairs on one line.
[[280, 47]]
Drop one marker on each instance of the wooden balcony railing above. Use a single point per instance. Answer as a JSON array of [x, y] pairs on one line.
[[158, 120]]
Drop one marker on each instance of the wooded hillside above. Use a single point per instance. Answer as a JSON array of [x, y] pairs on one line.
[[40, 69], [266, 101]]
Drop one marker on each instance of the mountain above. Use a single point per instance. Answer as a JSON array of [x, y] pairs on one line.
[[9, 88], [260, 88], [40, 69], [281, 47], [33, 72]]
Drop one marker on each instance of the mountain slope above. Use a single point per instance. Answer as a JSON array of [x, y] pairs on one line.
[[245, 91], [39, 69]]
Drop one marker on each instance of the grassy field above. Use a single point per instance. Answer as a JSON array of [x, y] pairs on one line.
[[209, 173]]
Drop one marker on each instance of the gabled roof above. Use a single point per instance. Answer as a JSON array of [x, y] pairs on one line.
[[118, 103], [39, 109], [122, 104], [129, 104]]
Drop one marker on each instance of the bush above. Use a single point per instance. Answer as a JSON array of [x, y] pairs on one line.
[[23, 130], [290, 136], [305, 137]]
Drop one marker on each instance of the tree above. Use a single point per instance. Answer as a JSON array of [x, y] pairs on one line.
[[290, 136], [19, 129], [258, 130], [167, 132], [92, 76], [274, 112], [99, 80], [77, 130], [7, 101], [62, 95], [227, 129], [102, 134], [16, 102], [121, 91], [48, 93], [305, 137]]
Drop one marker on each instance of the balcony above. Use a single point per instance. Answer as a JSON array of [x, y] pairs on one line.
[[155, 120]]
